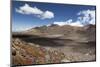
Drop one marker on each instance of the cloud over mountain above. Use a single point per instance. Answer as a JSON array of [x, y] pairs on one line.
[[27, 9], [87, 16], [69, 22], [84, 17]]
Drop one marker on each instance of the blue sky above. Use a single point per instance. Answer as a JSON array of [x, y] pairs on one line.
[[26, 15]]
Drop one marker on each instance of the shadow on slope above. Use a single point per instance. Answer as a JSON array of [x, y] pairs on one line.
[[43, 41]]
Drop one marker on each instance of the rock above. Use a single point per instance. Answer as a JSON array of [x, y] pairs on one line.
[[13, 52], [29, 53], [37, 46], [47, 57], [31, 44], [87, 54], [65, 60]]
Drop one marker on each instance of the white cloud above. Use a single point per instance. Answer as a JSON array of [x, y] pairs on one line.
[[60, 23], [64, 22], [85, 17], [69, 22], [77, 23], [47, 14], [26, 9], [19, 29]]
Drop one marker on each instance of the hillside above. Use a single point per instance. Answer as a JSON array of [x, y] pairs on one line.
[[65, 32], [54, 44]]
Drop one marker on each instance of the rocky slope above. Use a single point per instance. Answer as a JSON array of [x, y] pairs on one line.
[[54, 44], [29, 53]]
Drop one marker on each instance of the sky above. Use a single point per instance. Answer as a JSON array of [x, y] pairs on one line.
[[26, 15]]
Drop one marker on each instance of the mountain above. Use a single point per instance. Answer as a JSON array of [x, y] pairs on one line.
[[65, 31], [54, 44]]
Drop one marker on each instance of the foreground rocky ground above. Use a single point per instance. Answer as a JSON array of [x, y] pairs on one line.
[[29, 53]]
